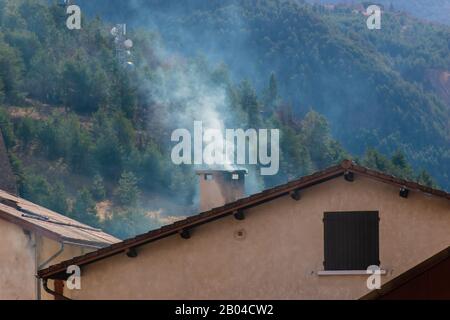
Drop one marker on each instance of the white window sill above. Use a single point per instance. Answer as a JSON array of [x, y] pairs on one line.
[[347, 272]]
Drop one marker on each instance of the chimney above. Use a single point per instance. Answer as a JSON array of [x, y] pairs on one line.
[[218, 187]]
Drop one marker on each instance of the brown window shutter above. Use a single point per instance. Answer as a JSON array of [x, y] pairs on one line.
[[351, 240]]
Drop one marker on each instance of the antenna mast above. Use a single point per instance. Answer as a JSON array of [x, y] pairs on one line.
[[123, 45]]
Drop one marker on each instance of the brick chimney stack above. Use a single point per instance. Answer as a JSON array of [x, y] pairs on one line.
[[218, 187]]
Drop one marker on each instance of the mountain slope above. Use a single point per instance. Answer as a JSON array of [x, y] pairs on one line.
[[373, 86], [430, 10]]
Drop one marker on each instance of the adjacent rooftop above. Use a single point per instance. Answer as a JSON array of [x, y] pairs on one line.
[[48, 223]]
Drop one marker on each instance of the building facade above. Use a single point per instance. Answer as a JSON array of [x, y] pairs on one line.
[[312, 238], [33, 238]]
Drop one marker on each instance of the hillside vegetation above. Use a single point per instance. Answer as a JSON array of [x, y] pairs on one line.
[[379, 89], [84, 132], [430, 10]]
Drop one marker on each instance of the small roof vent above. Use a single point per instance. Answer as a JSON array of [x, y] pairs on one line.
[[9, 202]]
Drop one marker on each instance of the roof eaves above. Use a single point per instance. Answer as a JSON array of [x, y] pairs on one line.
[[29, 226], [386, 178]]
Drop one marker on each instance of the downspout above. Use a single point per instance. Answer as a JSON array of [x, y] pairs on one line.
[[53, 293], [39, 267], [59, 252]]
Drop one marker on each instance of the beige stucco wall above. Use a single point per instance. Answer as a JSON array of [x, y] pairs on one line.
[[281, 253], [47, 248], [17, 263], [19, 259]]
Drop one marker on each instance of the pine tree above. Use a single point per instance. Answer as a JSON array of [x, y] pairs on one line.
[[84, 209], [271, 95], [391, 7], [98, 188], [128, 192], [426, 179], [249, 103], [401, 168], [375, 160], [11, 68]]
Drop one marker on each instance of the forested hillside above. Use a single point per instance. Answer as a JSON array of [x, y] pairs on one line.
[[431, 10], [384, 89], [90, 138]]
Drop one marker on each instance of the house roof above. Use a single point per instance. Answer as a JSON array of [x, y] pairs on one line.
[[50, 224], [410, 275], [347, 166]]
